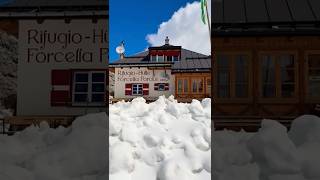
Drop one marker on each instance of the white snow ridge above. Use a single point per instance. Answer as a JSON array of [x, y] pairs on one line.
[[163, 140]]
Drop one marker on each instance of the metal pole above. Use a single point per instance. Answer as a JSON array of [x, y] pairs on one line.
[[209, 22]]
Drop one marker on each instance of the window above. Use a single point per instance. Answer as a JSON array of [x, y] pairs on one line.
[[161, 87], [98, 87], [175, 58], [183, 85], [153, 58], [313, 75], [169, 58], [197, 86], [287, 75], [223, 77], [232, 76], [241, 80], [209, 86], [180, 83], [89, 88], [278, 75], [137, 89], [160, 59], [186, 85], [268, 77]]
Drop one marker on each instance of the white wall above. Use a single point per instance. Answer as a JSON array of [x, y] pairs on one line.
[[34, 75], [134, 76]]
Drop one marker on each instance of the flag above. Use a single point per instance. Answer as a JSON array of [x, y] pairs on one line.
[[203, 11]]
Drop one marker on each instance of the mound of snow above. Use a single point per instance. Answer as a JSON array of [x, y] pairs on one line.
[[75, 153], [163, 140]]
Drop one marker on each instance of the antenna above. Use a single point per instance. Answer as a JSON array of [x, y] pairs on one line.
[[120, 49]]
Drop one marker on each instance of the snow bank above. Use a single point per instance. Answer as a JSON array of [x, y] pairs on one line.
[[75, 153], [163, 140], [270, 154]]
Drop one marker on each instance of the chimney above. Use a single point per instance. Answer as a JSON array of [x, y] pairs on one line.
[[167, 41]]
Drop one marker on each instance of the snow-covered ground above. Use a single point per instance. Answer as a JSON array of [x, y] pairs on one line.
[[40, 153], [270, 154], [163, 140]]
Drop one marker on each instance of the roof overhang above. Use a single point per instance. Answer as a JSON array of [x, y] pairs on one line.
[[303, 28], [140, 65]]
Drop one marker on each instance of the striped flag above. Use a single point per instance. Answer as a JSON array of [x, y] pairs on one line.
[[203, 10]]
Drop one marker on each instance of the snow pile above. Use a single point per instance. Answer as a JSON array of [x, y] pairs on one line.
[[270, 154], [75, 153], [163, 140], [8, 69]]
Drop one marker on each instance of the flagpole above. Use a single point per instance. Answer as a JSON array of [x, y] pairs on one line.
[[209, 22]]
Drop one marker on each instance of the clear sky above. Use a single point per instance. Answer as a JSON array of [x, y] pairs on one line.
[[132, 21]]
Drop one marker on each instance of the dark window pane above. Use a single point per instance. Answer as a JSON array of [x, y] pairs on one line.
[[314, 83], [314, 61], [180, 86], [175, 58], [98, 87], [269, 90], [161, 87], [169, 58], [242, 90], [223, 91], [186, 84], [80, 97], [200, 85], [268, 71], [81, 88], [287, 61], [222, 61], [194, 86], [97, 97], [82, 77], [287, 75], [98, 77], [223, 77], [287, 90], [241, 69]]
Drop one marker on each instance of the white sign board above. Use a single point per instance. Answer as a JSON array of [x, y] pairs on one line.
[[55, 44]]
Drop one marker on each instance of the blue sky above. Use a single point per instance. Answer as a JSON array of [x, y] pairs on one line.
[[132, 21]]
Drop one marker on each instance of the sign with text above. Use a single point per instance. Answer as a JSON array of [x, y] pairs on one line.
[[55, 41], [141, 75]]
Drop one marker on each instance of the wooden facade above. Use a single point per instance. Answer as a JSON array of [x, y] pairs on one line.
[[289, 88], [192, 86]]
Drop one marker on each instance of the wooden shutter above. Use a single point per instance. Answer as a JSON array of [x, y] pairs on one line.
[[166, 86], [61, 85], [156, 86], [145, 89], [128, 89]]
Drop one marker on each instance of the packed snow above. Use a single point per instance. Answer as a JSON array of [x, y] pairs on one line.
[[163, 140], [41, 153]]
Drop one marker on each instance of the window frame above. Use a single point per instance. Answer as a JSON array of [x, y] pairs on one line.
[[308, 98], [89, 92], [278, 80], [132, 89], [232, 77], [183, 79]]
